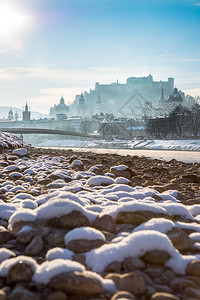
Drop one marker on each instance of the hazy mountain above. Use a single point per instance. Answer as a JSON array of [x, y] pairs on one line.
[[5, 109]]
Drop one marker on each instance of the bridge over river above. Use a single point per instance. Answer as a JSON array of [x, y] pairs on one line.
[[47, 131]]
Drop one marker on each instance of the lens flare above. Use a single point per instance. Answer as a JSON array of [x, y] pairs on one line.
[[11, 21]]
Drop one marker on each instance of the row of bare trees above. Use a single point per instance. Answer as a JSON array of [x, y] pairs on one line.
[[181, 122]]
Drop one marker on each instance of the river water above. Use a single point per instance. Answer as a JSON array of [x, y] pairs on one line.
[[185, 156]]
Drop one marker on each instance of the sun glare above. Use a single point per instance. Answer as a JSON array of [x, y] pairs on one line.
[[11, 21]]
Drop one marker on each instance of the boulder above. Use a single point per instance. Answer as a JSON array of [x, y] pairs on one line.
[[154, 271], [191, 178], [180, 240], [193, 268], [157, 257], [5, 236], [132, 282], [35, 246], [70, 221], [122, 171], [20, 152], [105, 223], [15, 175], [56, 239], [20, 272], [83, 245], [135, 217], [21, 293], [57, 295], [80, 283], [178, 284], [115, 267], [25, 237], [133, 263]]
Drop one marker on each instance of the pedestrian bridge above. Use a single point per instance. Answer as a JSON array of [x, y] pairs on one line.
[[47, 131]]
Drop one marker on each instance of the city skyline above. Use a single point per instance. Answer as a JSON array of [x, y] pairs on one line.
[[49, 48]]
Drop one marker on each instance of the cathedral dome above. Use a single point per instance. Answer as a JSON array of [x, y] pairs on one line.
[[61, 107], [175, 96]]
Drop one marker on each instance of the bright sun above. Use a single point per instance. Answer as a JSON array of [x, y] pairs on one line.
[[11, 21]]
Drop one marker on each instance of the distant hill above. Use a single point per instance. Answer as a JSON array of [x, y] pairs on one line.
[[5, 109]]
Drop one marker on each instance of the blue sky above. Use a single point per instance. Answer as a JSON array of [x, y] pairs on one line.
[[65, 46]]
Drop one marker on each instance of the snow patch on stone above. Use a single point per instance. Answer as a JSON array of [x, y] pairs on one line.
[[84, 233], [58, 252], [159, 224], [7, 264], [100, 180], [5, 254], [50, 269]]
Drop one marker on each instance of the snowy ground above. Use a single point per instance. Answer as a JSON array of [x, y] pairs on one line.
[[186, 145], [91, 226]]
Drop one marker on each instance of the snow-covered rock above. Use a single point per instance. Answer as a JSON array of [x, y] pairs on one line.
[[99, 180], [20, 152]]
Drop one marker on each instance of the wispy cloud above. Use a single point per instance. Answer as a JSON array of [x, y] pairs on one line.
[[106, 69], [7, 76], [52, 96], [189, 60], [68, 77], [193, 92]]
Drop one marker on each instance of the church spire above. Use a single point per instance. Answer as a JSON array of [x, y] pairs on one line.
[[26, 106]]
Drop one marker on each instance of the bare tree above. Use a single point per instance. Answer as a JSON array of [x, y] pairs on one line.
[[194, 120], [85, 126], [179, 120]]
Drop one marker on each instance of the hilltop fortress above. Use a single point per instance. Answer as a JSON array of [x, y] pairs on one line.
[[126, 100]]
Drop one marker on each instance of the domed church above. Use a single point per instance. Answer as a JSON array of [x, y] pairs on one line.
[[61, 108], [175, 97]]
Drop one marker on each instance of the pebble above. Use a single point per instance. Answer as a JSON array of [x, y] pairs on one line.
[[20, 152], [35, 246], [132, 282], [20, 272], [77, 283], [57, 295], [81, 245], [157, 257], [193, 268]]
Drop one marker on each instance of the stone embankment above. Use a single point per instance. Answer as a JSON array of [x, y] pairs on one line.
[[97, 226]]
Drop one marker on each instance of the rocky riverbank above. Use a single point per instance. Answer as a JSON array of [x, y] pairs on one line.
[[77, 225]]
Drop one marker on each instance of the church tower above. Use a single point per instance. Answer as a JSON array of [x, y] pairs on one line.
[[26, 114], [10, 115], [81, 106], [98, 109], [162, 100]]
